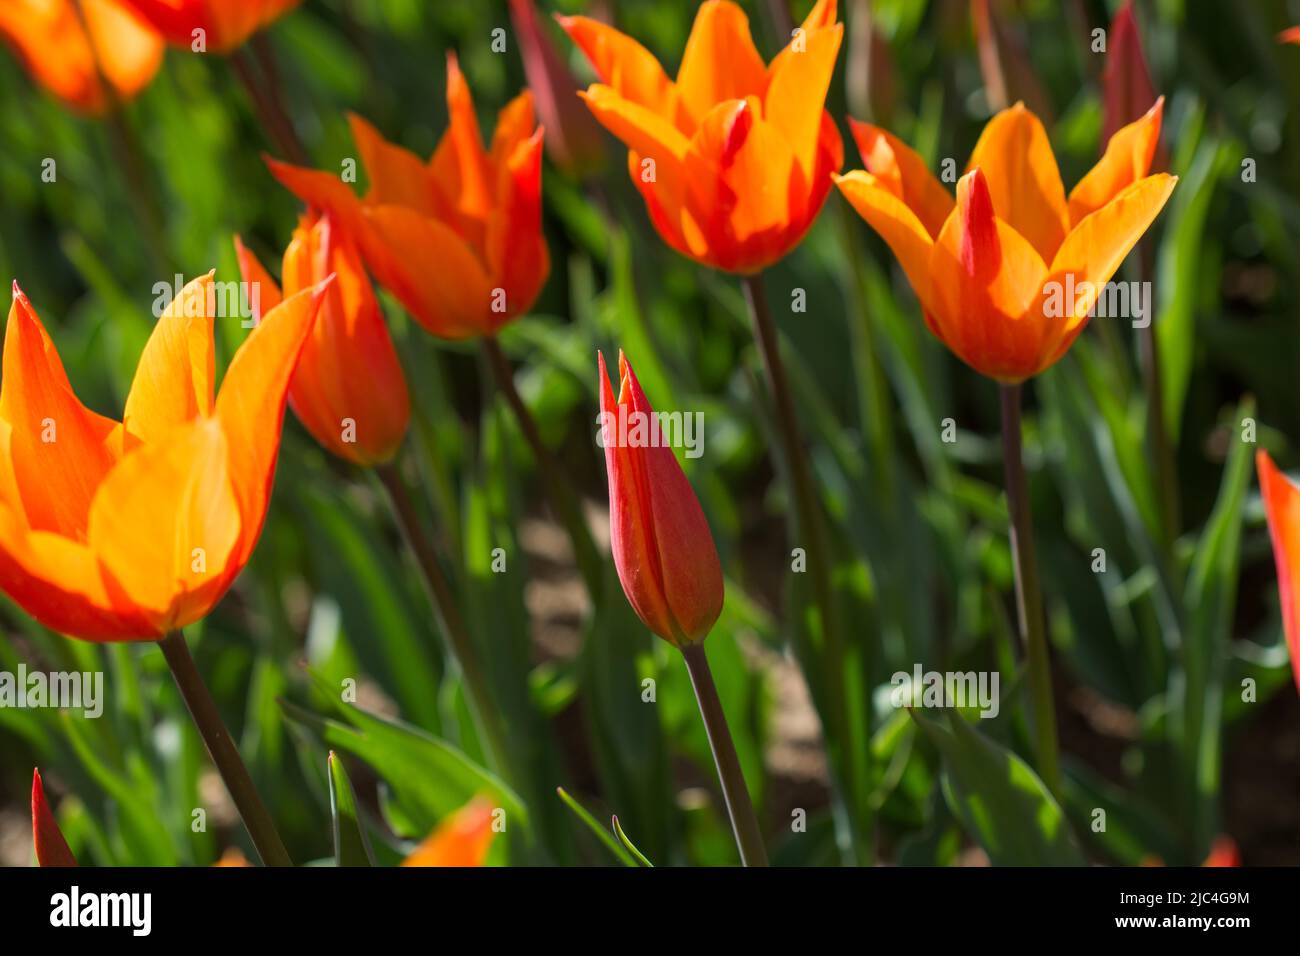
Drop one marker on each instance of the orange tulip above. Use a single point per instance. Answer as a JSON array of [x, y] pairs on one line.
[[458, 240], [348, 389], [662, 546], [463, 839], [71, 48], [1282, 506], [51, 848], [128, 530], [1008, 274], [733, 159], [221, 25]]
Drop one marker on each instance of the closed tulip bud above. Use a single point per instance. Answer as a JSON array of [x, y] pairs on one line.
[[734, 157], [574, 142], [72, 46], [221, 25], [348, 389], [1127, 89], [662, 546], [128, 530], [1282, 506], [458, 240], [1008, 274], [51, 848]]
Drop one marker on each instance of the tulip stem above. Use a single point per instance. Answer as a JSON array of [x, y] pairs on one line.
[[1029, 596], [739, 807], [203, 709], [810, 527], [459, 643], [268, 106], [559, 488]]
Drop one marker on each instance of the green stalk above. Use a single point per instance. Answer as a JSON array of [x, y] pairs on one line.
[[257, 819], [744, 824], [811, 533], [1029, 595], [559, 488], [460, 646]]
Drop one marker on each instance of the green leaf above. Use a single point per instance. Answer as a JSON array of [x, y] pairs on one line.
[[429, 778], [583, 814], [1196, 696], [351, 845], [631, 847], [999, 800]]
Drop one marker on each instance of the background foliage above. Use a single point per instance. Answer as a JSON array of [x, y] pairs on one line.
[[1149, 655]]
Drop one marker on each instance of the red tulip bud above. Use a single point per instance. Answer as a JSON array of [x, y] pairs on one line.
[[574, 141], [51, 848], [662, 547], [1127, 90]]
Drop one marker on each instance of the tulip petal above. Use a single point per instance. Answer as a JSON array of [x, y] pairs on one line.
[[61, 583], [516, 249], [648, 137], [985, 275], [173, 381], [1017, 161], [901, 170], [744, 186], [251, 406], [1096, 247], [1126, 160], [328, 193], [51, 848], [796, 93], [463, 839], [348, 369], [432, 271], [59, 450], [165, 520], [897, 224], [1282, 506], [720, 62], [396, 175], [128, 51], [474, 180], [623, 64], [516, 123], [263, 292]]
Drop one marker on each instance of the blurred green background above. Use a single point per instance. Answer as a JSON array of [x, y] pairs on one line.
[[1150, 654]]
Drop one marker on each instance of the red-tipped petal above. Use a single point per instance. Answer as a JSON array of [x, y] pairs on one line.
[[1282, 506], [51, 848]]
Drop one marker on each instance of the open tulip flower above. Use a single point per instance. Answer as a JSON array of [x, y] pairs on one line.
[[1008, 274], [129, 530], [348, 389], [71, 48], [225, 24], [734, 158], [458, 239], [1282, 506], [662, 546]]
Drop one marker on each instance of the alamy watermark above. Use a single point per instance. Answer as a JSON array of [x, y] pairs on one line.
[[632, 429], [242, 300], [72, 690], [946, 689], [1114, 300]]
